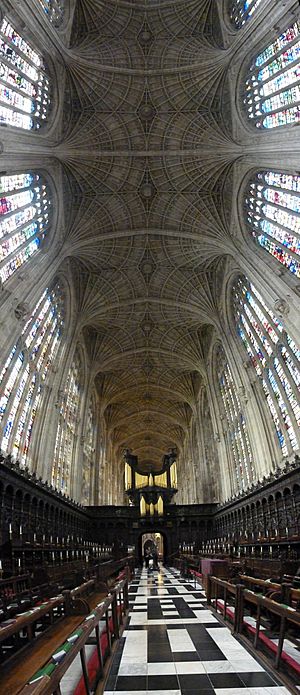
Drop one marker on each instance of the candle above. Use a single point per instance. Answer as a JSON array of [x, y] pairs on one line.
[[34, 537], [10, 529], [44, 537], [20, 530], [19, 562], [0, 565], [286, 531]]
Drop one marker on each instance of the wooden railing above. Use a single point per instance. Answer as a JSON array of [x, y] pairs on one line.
[[112, 609], [23, 615], [12, 586], [286, 590], [14, 589], [28, 619], [240, 596]]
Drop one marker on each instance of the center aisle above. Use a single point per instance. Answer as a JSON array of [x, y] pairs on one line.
[[174, 644]]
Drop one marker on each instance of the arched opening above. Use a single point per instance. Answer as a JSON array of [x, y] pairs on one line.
[[153, 539]]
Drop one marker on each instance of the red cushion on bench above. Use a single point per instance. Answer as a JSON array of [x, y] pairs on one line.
[[273, 648]]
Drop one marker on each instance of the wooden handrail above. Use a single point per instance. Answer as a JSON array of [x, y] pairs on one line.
[[84, 588], [36, 688], [224, 583], [293, 594], [30, 617], [260, 582], [281, 609], [14, 579]]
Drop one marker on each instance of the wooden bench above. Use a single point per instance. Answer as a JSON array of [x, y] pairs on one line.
[[112, 609], [76, 603], [241, 623]]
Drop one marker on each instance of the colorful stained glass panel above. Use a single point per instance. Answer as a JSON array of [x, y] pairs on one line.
[[24, 85], [272, 95], [273, 216]]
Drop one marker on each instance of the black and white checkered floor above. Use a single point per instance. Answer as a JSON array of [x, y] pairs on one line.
[[174, 645]]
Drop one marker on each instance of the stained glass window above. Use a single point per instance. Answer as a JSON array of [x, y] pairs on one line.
[[89, 444], [67, 431], [24, 85], [54, 9], [272, 88], [24, 374], [274, 357], [24, 220], [242, 10], [234, 422], [273, 214]]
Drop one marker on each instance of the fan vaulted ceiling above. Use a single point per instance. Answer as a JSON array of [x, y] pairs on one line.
[[148, 148]]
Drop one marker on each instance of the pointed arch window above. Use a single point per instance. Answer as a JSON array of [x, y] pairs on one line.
[[89, 446], [272, 95], [24, 375], [273, 215], [275, 358], [66, 438], [24, 84], [242, 10], [234, 422], [24, 219], [54, 9]]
